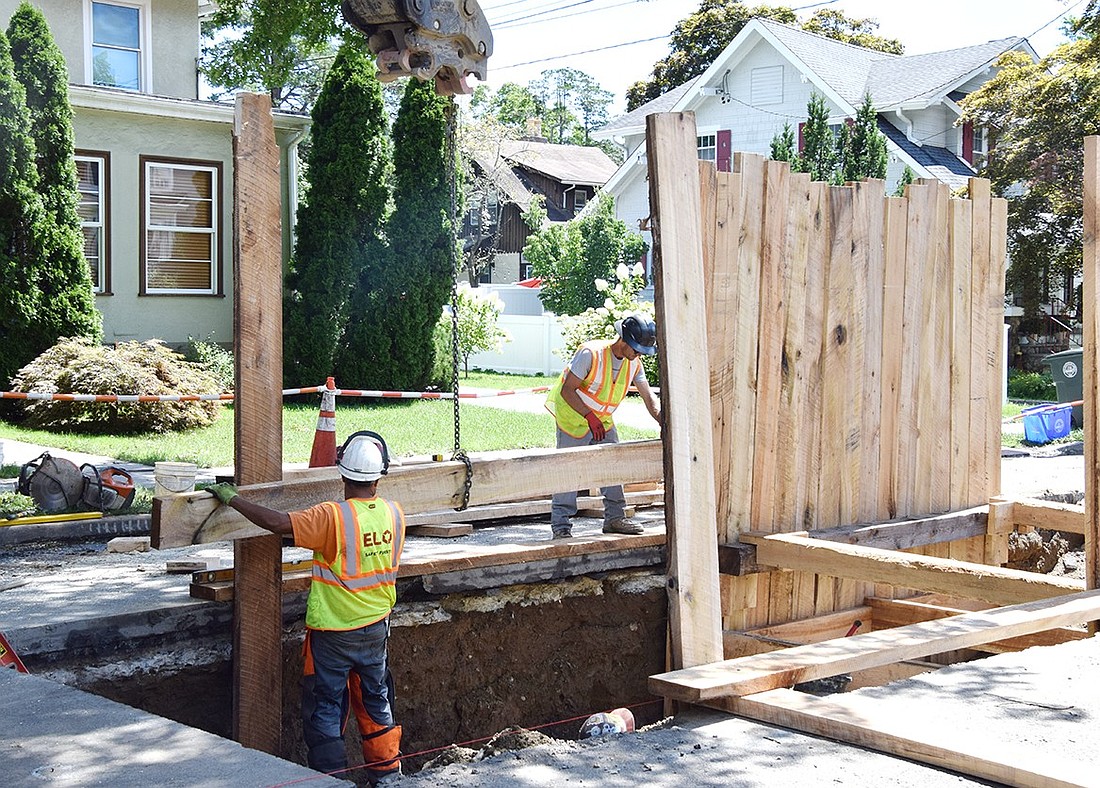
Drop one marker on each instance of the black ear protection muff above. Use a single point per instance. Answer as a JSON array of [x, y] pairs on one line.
[[373, 436]]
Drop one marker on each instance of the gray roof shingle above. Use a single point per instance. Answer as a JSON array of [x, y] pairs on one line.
[[565, 163], [940, 162]]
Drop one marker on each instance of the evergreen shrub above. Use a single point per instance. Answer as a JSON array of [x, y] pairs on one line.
[[80, 366]]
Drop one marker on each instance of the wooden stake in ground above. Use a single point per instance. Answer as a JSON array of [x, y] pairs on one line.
[[1090, 336], [258, 420], [694, 607]]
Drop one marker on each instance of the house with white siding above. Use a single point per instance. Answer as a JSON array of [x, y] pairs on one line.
[[155, 166], [765, 77]]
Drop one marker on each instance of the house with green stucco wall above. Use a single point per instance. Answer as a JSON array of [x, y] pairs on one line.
[[155, 166]]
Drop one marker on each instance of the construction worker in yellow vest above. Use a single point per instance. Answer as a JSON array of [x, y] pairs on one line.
[[356, 547], [583, 400]]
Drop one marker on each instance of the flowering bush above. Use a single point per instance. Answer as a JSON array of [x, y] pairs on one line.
[[620, 301], [478, 312]]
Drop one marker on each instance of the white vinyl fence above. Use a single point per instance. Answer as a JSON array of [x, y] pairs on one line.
[[531, 351]]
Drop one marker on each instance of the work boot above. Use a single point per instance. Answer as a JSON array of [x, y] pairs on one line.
[[563, 532], [622, 526]]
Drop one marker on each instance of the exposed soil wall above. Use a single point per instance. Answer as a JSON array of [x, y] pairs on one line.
[[465, 666]]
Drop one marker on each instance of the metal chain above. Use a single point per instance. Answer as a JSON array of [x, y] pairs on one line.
[[452, 178]]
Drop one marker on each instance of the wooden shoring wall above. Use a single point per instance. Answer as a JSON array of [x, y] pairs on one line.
[[855, 364]]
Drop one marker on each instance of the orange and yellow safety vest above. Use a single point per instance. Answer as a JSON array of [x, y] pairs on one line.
[[359, 587], [601, 392]]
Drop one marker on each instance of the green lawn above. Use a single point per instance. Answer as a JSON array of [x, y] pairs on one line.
[[409, 426]]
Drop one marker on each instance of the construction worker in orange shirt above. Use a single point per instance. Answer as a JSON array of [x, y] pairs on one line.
[[356, 547], [582, 402]]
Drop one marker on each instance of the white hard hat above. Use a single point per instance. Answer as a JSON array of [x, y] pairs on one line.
[[362, 458]]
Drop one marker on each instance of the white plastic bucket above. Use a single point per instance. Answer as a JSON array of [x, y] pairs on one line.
[[174, 477]]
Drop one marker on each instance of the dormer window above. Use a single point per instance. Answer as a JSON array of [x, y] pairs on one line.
[[116, 45]]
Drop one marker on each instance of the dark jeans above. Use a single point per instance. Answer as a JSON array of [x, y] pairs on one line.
[[325, 699]]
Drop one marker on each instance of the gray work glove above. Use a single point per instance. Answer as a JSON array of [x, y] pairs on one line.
[[224, 491]]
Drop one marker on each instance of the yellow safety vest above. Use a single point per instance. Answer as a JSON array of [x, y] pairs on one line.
[[359, 587], [599, 391]]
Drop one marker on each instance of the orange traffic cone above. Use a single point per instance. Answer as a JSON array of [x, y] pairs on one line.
[[324, 439]]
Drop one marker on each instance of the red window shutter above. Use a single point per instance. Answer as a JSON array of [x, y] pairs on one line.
[[968, 142], [723, 153], [801, 142]]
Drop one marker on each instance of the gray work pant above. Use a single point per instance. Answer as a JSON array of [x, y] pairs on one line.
[[564, 505]]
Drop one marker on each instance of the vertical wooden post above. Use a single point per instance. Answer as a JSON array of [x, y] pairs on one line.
[[258, 425], [694, 608], [1090, 330]]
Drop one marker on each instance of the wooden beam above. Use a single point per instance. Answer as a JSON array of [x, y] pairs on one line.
[[906, 570], [218, 585], [902, 612], [674, 199], [762, 672], [195, 518], [258, 418], [1090, 333], [907, 534], [864, 722], [501, 511], [1048, 514], [809, 630], [738, 560]]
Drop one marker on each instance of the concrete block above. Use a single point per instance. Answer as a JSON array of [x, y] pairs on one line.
[[128, 544]]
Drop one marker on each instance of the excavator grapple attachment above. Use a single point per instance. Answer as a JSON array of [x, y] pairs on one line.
[[444, 40]]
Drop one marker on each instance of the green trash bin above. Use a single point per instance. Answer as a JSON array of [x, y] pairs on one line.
[[1065, 368]]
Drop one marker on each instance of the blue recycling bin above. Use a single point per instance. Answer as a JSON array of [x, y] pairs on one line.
[[1066, 369]]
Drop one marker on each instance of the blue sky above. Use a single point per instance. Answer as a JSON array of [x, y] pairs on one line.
[[545, 30]]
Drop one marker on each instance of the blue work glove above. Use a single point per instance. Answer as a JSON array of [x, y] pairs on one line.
[[224, 491]]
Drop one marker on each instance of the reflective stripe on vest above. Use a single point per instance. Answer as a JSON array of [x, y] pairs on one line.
[[599, 391], [359, 586]]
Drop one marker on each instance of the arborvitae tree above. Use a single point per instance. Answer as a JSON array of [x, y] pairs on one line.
[[907, 177], [389, 339], [818, 155], [866, 154], [341, 222], [783, 148], [60, 271], [20, 214]]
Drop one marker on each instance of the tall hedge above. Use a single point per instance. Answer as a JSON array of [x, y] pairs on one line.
[[67, 308], [20, 213], [389, 339], [341, 223]]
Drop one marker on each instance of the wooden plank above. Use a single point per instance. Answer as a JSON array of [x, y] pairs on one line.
[[996, 538], [799, 361], [907, 534], [794, 633], [995, 315], [763, 672], [841, 367], [863, 721], [1090, 330], [774, 281], [908, 570], [980, 406], [869, 213], [1054, 516], [501, 511], [195, 518], [893, 351], [748, 261], [440, 530], [808, 458], [922, 221], [920, 199], [961, 317], [258, 422], [938, 372], [694, 606], [902, 612]]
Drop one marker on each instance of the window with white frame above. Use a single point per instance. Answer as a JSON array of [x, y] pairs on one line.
[[180, 206], [580, 199], [707, 145], [116, 45], [979, 147], [92, 177]]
